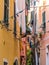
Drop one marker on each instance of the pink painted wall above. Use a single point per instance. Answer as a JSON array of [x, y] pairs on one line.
[[45, 39]]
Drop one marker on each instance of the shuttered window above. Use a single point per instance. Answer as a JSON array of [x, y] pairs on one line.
[[44, 21], [14, 19], [28, 4], [6, 11]]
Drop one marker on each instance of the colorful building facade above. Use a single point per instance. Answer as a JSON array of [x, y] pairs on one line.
[[9, 38], [43, 18]]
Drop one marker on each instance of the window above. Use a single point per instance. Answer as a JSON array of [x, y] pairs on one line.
[[6, 12], [32, 18], [44, 22], [28, 4], [21, 24], [5, 63], [14, 20], [15, 62], [28, 31]]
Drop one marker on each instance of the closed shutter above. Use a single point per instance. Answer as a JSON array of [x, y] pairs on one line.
[[6, 11], [44, 21], [14, 19]]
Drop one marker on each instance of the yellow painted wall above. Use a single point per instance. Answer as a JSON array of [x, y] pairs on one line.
[[9, 45]]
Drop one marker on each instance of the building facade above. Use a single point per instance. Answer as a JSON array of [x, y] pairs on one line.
[[43, 18], [10, 31]]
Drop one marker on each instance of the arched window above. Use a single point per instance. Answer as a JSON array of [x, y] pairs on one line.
[[15, 62], [5, 63]]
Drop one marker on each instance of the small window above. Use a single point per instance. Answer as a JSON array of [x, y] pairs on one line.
[[6, 12], [44, 21], [32, 18], [14, 19], [28, 4], [15, 62], [5, 63]]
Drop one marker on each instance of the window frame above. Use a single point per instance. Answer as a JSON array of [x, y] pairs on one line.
[[44, 21], [6, 12]]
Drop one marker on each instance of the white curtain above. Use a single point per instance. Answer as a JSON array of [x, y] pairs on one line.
[[20, 5]]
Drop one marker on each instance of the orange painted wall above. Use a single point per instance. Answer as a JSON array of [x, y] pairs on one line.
[[9, 45]]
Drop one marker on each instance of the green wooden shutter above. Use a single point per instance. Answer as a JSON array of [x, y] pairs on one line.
[[14, 20], [44, 21], [6, 11], [28, 4]]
